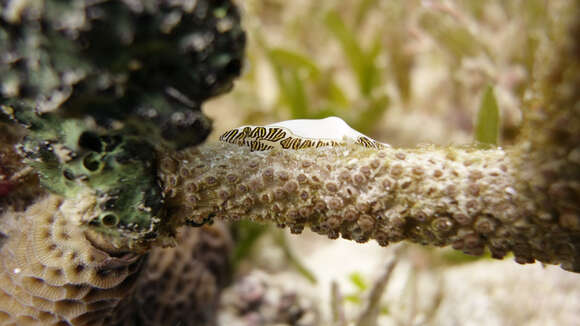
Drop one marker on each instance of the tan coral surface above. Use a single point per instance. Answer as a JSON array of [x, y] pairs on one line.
[[466, 197], [50, 274], [522, 199]]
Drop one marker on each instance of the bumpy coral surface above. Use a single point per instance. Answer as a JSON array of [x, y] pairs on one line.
[[51, 274], [523, 199], [467, 198], [182, 285], [60, 262]]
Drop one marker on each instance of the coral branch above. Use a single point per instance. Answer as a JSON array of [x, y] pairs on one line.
[[524, 200], [465, 197]]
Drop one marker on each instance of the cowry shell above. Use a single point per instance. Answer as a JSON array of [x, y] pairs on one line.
[[299, 134]]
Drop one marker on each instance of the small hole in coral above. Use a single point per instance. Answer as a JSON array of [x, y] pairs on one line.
[[91, 163], [109, 220], [68, 174], [79, 268], [90, 141]]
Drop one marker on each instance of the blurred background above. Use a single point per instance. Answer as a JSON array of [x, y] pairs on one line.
[[386, 67], [404, 73]]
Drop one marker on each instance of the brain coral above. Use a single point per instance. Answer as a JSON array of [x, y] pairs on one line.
[[56, 267], [51, 274]]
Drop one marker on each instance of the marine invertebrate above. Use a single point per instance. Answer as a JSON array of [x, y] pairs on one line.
[[148, 66], [118, 169], [298, 134], [100, 146], [181, 285], [99, 91], [466, 197], [522, 199], [52, 273]]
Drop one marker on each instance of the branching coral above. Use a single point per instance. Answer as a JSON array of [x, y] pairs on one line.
[[523, 199], [97, 86], [465, 197], [117, 87]]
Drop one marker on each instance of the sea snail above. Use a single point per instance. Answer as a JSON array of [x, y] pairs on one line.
[[299, 134]]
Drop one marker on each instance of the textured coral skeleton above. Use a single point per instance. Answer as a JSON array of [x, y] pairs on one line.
[[77, 251], [521, 199], [466, 197], [80, 250], [51, 274]]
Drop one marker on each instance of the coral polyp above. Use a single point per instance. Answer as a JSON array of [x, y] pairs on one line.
[[465, 197], [52, 272], [108, 162], [522, 199]]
